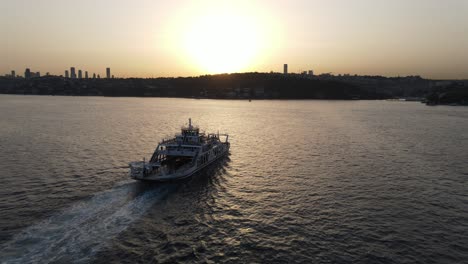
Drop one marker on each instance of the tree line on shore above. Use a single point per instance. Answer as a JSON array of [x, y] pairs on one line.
[[227, 86]]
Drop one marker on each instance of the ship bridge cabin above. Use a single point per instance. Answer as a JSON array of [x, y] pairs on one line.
[[186, 144], [189, 135]]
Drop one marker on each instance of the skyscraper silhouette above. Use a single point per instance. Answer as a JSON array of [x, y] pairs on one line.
[[27, 73], [72, 73], [108, 75]]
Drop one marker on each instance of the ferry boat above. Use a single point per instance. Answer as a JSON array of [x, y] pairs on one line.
[[182, 156]]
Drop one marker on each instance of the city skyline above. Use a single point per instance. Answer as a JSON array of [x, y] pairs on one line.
[[82, 74], [159, 39]]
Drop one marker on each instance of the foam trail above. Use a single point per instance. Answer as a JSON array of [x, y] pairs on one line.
[[75, 234]]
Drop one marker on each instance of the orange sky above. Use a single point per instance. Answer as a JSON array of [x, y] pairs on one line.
[[145, 38]]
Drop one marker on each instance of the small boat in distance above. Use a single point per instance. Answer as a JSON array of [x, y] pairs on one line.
[[182, 156]]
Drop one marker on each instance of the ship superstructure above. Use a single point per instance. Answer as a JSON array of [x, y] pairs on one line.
[[182, 156]]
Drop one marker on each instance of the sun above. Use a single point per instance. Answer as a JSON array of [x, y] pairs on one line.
[[222, 41]]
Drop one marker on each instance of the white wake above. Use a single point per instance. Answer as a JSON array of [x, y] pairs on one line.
[[76, 233]]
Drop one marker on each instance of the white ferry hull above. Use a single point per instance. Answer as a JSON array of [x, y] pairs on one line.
[[159, 177], [180, 157]]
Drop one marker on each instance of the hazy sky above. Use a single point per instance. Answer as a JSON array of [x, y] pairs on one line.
[[146, 38]]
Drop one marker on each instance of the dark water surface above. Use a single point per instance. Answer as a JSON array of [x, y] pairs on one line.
[[306, 181]]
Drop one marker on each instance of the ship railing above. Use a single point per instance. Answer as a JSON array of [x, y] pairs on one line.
[[169, 140], [174, 141], [187, 153]]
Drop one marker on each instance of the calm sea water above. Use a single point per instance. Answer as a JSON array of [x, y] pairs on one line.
[[305, 181]]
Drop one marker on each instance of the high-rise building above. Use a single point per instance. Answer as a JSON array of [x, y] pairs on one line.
[[27, 73], [108, 75], [80, 74], [13, 74], [94, 75], [99, 76], [38, 74], [311, 72], [285, 68], [66, 74], [72, 73], [86, 74]]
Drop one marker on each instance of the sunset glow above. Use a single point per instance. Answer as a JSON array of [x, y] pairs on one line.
[[221, 38], [222, 43], [187, 38]]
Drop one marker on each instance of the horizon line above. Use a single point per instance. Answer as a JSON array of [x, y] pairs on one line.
[[247, 72]]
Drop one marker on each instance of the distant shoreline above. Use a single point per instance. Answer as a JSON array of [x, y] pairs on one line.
[[233, 99], [245, 86]]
